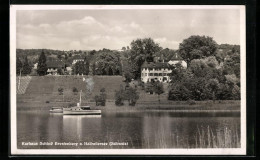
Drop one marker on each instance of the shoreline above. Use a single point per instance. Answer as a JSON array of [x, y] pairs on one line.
[[172, 107]]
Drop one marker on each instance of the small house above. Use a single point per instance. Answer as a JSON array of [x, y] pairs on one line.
[[54, 66], [177, 59]]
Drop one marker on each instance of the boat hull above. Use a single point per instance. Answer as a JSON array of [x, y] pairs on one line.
[[81, 112]]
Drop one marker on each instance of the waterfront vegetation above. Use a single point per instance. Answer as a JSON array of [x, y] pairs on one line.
[[204, 137]]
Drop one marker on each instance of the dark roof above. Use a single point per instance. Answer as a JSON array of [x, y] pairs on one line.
[[157, 65], [55, 64], [176, 57]]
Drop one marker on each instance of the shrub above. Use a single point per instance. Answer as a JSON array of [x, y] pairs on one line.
[[75, 90], [179, 93], [130, 94], [60, 90], [119, 98], [100, 100]]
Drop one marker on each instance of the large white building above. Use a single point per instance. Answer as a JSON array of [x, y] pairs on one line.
[[160, 71], [155, 72]]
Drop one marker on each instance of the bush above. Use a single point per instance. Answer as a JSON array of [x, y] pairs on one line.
[[100, 100], [75, 90], [179, 93], [60, 90], [130, 94], [119, 97]]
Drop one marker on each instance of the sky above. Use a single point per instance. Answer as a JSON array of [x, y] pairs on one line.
[[114, 29]]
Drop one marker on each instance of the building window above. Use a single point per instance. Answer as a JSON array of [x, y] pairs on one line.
[[168, 74], [155, 74], [142, 74], [150, 74], [145, 74], [160, 74], [164, 74]]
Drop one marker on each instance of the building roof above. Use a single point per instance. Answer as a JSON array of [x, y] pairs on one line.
[[176, 57], [55, 64], [157, 65]]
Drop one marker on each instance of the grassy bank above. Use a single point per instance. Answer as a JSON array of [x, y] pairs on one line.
[[202, 106], [41, 93]]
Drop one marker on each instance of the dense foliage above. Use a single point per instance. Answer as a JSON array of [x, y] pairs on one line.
[[128, 93], [101, 99], [81, 67], [27, 68], [42, 66], [142, 50], [196, 47], [107, 63], [19, 66], [206, 78]]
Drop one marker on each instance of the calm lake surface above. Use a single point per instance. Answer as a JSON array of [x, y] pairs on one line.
[[149, 129]]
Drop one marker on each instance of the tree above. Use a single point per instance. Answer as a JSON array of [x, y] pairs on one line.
[[179, 92], [75, 90], [127, 71], [142, 50], [42, 66], [66, 57], [165, 54], [92, 52], [213, 86], [108, 63], [60, 90], [59, 56], [196, 47], [103, 96], [19, 66], [232, 64], [178, 72], [81, 67], [60, 72], [26, 67], [119, 97], [158, 89], [123, 48], [131, 95]]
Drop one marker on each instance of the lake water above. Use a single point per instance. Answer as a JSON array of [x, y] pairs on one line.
[[149, 129]]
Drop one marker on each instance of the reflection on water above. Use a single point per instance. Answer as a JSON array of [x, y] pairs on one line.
[[131, 130], [74, 125]]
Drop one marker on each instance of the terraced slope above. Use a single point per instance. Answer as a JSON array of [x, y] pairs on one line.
[[45, 88], [110, 83], [39, 89], [43, 91], [24, 82]]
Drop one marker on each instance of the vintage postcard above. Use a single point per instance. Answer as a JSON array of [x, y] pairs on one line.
[[127, 80]]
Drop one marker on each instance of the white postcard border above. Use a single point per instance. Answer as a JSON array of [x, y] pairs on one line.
[[219, 151]]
